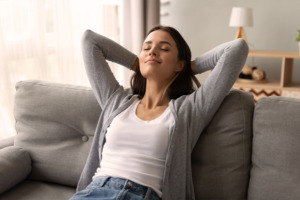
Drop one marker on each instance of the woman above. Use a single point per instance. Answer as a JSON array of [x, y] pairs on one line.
[[143, 141]]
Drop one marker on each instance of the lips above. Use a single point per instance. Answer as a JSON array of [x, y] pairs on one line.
[[153, 60]]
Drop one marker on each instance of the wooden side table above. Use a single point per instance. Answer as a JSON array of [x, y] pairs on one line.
[[284, 87]]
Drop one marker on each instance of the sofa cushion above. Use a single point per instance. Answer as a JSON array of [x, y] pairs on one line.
[[9, 141], [221, 158], [36, 190], [15, 165], [55, 123], [276, 151]]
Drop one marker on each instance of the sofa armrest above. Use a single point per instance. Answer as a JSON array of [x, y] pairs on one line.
[[15, 166], [7, 142]]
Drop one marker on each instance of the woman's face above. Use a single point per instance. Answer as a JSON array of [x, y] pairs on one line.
[[159, 57]]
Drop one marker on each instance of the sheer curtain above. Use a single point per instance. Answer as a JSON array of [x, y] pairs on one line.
[[40, 39], [137, 18]]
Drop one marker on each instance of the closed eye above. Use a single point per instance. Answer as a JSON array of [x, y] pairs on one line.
[[146, 47]]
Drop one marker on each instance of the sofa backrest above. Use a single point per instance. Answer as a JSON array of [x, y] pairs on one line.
[[222, 156], [55, 123], [276, 150]]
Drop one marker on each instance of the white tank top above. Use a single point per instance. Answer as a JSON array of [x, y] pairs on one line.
[[136, 149]]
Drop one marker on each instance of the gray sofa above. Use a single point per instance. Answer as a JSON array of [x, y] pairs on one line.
[[247, 152]]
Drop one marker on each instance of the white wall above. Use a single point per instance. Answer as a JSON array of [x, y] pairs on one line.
[[204, 24]]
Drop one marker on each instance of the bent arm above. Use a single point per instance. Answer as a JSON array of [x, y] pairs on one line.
[[226, 62], [96, 49], [233, 52]]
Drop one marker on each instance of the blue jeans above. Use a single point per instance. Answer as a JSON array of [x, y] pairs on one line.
[[109, 188]]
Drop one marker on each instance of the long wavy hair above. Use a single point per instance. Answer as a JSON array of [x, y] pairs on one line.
[[183, 82]]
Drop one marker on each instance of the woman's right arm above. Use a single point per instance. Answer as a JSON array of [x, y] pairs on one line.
[[96, 50]]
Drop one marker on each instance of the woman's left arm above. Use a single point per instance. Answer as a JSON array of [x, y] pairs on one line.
[[226, 62]]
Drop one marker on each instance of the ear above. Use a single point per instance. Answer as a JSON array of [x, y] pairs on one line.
[[180, 66]]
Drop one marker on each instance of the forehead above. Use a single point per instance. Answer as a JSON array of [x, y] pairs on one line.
[[159, 36]]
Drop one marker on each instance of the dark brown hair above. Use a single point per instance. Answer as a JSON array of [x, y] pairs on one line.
[[183, 84]]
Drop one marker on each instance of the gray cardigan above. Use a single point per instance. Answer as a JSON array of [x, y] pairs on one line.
[[191, 112]]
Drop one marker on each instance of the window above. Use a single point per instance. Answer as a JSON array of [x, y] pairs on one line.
[[40, 39]]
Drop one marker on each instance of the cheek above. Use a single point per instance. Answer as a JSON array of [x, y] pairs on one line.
[[173, 63], [142, 58], [142, 64]]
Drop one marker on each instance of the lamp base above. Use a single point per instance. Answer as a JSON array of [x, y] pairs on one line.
[[241, 34]]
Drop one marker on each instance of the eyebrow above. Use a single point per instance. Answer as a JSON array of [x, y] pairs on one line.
[[161, 42]]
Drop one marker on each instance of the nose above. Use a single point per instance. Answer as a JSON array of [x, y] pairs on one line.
[[153, 52]]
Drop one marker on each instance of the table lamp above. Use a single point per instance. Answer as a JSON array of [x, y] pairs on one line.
[[241, 17]]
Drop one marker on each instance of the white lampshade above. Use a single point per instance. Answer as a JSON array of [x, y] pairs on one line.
[[241, 17]]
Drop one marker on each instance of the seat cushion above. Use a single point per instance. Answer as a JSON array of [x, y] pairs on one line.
[[55, 124], [221, 158], [15, 166], [276, 150], [34, 190]]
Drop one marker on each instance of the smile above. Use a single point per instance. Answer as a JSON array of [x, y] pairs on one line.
[[152, 61]]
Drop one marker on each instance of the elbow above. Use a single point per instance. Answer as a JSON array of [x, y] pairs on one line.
[[242, 46], [87, 33], [86, 36]]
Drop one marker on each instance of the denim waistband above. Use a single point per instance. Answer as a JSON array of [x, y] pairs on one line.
[[120, 183]]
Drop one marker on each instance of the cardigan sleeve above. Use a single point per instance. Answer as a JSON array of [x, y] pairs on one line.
[[96, 49], [226, 62]]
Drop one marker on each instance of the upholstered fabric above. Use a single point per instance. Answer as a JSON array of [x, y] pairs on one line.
[[55, 124], [7, 142], [15, 165], [276, 151], [37, 190], [221, 158]]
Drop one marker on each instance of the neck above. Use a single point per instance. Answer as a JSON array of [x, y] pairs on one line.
[[155, 95]]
